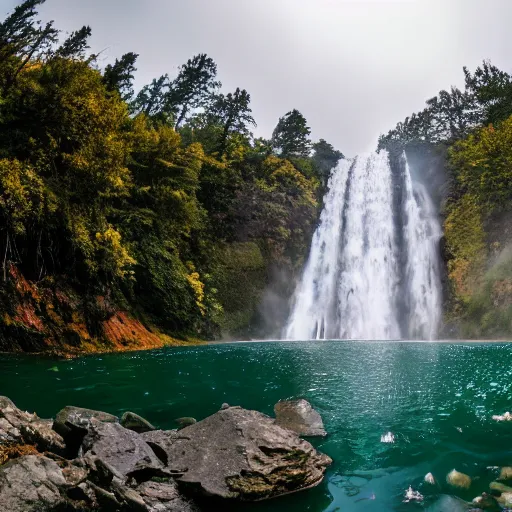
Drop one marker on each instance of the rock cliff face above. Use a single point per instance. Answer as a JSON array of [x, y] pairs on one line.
[[52, 316], [89, 461]]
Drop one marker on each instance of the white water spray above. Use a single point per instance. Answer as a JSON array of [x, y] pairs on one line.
[[373, 270]]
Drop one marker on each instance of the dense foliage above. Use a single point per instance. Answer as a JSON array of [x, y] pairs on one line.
[[160, 201], [473, 129]]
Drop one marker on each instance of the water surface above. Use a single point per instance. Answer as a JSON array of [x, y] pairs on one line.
[[436, 398]]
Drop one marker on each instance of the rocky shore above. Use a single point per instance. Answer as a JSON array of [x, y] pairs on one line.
[[86, 460]]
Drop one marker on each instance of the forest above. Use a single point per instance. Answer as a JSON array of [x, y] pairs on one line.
[[466, 137], [141, 218]]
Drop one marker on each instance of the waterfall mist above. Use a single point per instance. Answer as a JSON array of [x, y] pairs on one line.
[[373, 271]]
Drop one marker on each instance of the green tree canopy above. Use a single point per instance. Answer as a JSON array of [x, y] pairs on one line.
[[325, 157], [291, 135], [119, 76], [193, 88]]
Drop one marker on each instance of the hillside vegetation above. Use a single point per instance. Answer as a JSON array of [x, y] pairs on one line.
[[134, 220], [466, 136]]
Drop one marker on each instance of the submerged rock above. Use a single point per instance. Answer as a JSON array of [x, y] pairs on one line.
[[300, 417], [487, 502], [137, 423], [500, 487], [242, 454], [19, 427], [505, 474], [457, 479], [123, 449], [505, 499], [429, 479]]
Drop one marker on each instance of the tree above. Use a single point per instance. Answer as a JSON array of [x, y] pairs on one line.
[[493, 91], [192, 88], [152, 99], [119, 76], [325, 157], [291, 135], [454, 113], [22, 38], [75, 45], [233, 114]]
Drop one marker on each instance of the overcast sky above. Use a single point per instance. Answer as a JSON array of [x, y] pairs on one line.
[[352, 67]]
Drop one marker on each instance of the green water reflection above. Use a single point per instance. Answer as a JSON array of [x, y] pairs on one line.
[[436, 398]]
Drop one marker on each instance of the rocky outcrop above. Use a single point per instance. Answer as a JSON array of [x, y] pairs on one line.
[[234, 454], [123, 449], [22, 428], [72, 424], [32, 484], [160, 441], [243, 454], [300, 417]]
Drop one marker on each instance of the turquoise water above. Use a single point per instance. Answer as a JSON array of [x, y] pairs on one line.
[[436, 398]]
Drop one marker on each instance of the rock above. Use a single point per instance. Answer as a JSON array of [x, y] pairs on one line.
[[72, 424], [160, 442], [505, 474], [164, 497], [487, 502], [429, 479], [101, 472], [456, 479], [242, 454], [31, 484], [18, 427], [224, 406], [505, 500], [129, 497], [412, 495], [185, 422], [106, 499], [300, 417], [503, 417], [134, 422], [500, 487], [123, 449]]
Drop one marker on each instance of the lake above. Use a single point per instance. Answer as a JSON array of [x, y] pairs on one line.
[[437, 399]]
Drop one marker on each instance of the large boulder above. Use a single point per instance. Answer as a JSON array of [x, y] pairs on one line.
[[121, 448], [242, 454], [72, 424], [33, 484], [19, 427], [161, 442], [299, 416]]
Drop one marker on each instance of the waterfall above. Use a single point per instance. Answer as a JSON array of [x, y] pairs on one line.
[[373, 269]]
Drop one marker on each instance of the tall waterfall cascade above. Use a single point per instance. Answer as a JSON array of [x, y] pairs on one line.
[[373, 270]]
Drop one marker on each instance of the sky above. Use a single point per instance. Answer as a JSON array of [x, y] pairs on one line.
[[354, 68]]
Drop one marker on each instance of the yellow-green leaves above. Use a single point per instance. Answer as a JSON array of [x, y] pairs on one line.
[[483, 164], [23, 198]]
